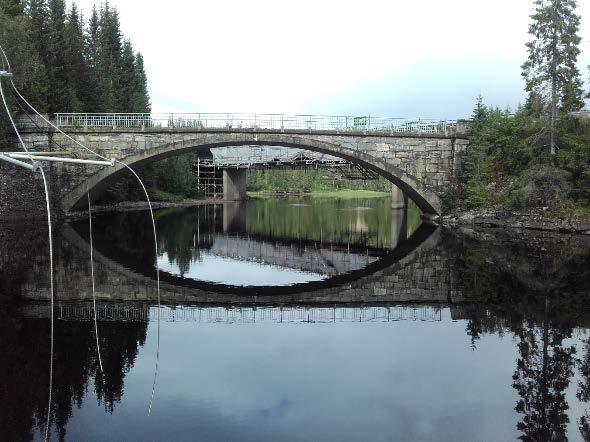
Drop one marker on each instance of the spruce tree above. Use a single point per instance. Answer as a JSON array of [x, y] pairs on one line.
[[109, 67], [550, 71], [75, 62], [94, 101], [12, 8], [140, 99], [125, 92], [38, 16], [59, 92]]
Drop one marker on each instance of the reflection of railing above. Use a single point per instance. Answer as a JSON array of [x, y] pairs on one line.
[[237, 315], [253, 121]]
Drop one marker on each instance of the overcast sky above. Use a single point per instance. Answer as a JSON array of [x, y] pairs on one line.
[[421, 58]]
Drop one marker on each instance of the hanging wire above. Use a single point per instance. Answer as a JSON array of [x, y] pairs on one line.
[[93, 285], [51, 287], [146, 196], [50, 233]]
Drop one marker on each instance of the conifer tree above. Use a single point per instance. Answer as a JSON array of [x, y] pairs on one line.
[[75, 62], [550, 71], [140, 99], [12, 8], [109, 67], [59, 92], [38, 17], [93, 98], [125, 92]]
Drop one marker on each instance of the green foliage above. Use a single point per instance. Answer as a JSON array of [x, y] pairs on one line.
[[175, 176], [507, 163], [161, 195], [306, 181], [61, 66]]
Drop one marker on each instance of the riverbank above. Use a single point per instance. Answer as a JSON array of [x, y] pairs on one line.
[[127, 206], [538, 220], [343, 194]]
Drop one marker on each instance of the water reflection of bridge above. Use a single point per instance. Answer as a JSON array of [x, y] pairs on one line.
[[309, 256], [235, 315]]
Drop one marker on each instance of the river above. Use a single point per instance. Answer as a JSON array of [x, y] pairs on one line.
[[292, 319]]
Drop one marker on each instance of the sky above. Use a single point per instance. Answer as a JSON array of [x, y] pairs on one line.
[[406, 59]]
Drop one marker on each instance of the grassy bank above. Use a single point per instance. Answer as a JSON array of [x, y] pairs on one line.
[[343, 194]]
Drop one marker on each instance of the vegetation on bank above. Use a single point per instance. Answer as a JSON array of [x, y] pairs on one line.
[[314, 181], [538, 156], [344, 194]]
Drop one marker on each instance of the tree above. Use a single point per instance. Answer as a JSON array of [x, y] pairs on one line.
[[12, 7], [140, 98], [93, 100], [59, 91], [126, 81], [76, 66], [550, 71], [109, 66]]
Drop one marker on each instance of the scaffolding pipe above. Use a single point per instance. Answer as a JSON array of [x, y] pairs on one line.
[[32, 167], [62, 160]]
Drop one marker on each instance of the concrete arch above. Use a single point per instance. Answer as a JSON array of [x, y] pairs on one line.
[[427, 200]]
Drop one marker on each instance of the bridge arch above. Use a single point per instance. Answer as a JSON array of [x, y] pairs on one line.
[[427, 200]]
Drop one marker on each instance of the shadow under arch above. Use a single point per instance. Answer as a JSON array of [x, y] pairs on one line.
[[427, 200]]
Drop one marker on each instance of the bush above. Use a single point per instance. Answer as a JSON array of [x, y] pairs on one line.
[[546, 185], [517, 198], [161, 195]]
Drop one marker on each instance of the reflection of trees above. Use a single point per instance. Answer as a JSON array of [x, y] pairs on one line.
[[25, 374], [331, 220], [543, 372], [177, 229], [583, 393], [531, 291]]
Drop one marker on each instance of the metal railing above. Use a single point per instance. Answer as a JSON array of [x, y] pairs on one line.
[[279, 122]]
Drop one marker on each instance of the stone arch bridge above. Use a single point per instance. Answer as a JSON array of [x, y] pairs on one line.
[[421, 158]]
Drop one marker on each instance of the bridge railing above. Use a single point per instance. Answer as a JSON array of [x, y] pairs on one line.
[[253, 121], [237, 315]]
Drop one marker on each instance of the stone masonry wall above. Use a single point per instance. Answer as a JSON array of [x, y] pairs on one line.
[[432, 162]]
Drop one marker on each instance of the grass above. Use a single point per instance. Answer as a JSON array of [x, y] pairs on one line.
[[343, 194], [161, 195]]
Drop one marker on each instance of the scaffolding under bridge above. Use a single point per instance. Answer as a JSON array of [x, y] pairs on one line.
[[209, 166]]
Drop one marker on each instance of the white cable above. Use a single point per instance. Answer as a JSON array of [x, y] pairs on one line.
[[93, 286], [51, 287]]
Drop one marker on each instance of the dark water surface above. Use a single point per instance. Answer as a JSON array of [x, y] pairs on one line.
[[293, 320]]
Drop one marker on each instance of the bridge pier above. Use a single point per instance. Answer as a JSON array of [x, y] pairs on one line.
[[399, 227], [234, 184], [399, 200]]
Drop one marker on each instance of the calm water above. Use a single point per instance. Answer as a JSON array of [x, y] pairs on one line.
[[293, 319]]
